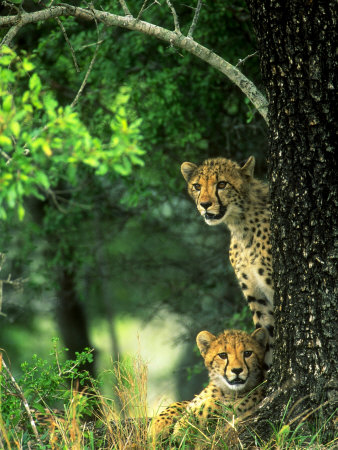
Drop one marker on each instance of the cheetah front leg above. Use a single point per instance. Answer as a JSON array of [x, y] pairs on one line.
[[162, 425], [196, 418]]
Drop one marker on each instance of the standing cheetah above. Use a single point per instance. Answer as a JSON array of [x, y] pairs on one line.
[[226, 193]]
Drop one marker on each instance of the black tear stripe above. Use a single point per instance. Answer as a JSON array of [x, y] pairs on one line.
[[226, 366], [270, 329], [266, 366], [221, 206], [246, 365]]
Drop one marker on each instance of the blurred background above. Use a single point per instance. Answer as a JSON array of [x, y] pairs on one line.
[[122, 262]]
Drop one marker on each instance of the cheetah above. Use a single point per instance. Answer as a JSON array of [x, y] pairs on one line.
[[235, 363], [226, 193]]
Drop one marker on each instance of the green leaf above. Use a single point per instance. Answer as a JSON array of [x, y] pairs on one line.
[[15, 128], [7, 103], [27, 65], [42, 179], [5, 60], [136, 160], [34, 82], [6, 50], [21, 212], [102, 170], [11, 196], [93, 162], [5, 141]]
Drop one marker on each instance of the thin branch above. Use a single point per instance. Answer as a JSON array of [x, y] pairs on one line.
[[90, 45], [173, 12], [55, 201], [195, 19], [24, 401], [91, 65], [69, 44], [175, 39], [84, 82], [125, 8], [11, 34], [6, 156], [242, 61], [144, 8], [11, 5]]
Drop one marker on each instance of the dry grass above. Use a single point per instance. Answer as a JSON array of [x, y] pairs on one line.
[[122, 423]]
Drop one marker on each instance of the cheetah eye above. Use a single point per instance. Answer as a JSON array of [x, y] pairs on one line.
[[223, 355], [221, 185], [247, 354], [196, 186]]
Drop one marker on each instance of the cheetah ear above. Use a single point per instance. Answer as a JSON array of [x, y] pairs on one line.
[[261, 336], [248, 168], [187, 169], [204, 339]]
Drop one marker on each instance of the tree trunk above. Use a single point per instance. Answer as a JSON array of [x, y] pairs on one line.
[[297, 42], [71, 317]]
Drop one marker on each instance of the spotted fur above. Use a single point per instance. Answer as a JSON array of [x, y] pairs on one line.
[[235, 361], [226, 193]]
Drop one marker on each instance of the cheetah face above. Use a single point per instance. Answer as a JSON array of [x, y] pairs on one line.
[[231, 370], [212, 198], [218, 187], [234, 359]]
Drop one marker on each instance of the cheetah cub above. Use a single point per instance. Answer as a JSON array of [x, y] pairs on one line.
[[226, 193], [235, 361]]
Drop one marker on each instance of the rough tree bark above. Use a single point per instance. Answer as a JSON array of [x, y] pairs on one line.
[[297, 43]]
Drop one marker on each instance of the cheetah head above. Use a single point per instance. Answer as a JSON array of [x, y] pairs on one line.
[[218, 187], [234, 359]]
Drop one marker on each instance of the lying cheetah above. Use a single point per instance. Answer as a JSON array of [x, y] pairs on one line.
[[226, 193], [235, 361]]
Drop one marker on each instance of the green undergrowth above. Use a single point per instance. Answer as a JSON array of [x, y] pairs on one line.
[[56, 404]]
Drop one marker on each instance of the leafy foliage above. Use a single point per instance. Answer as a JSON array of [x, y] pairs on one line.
[[44, 384], [44, 143]]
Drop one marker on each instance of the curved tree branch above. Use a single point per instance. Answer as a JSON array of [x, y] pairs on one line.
[[175, 39]]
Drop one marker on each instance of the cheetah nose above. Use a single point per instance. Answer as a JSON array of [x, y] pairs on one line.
[[206, 205], [237, 371]]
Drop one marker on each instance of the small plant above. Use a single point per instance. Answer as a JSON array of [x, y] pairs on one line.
[[29, 403]]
